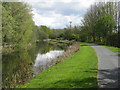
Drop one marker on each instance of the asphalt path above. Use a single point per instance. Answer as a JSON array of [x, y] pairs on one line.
[[108, 68]]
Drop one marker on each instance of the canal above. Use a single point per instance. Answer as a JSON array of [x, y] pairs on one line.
[[23, 65]]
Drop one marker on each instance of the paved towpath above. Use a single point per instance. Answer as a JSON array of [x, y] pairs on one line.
[[107, 67]]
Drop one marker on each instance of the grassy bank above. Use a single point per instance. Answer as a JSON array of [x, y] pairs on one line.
[[113, 49], [77, 71]]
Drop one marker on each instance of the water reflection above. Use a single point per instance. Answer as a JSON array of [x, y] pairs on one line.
[[43, 60], [17, 67]]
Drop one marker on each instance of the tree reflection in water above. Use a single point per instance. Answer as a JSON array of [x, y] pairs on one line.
[[17, 67]]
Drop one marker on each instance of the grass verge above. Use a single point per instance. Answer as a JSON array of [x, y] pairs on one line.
[[77, 71], [114, 49]]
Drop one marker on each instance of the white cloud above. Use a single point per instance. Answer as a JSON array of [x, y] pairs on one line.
[[56, 20], [58, 13], [41, 20]]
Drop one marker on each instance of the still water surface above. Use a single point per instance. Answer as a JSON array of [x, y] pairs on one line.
[[43, 60], [20, 66]]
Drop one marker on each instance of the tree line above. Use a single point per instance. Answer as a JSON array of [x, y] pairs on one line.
[[101, 24], [18, 27]]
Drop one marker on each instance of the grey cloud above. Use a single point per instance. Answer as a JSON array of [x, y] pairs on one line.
[[65, 9], [58, 14]]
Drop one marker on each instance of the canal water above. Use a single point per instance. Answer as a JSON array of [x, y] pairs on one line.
[[22, 65]]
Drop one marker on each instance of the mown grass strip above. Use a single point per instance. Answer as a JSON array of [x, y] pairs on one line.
[[114, 49], [77, 71]]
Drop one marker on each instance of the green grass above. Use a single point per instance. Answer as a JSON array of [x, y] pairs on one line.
[[77, 71], [113, 49]]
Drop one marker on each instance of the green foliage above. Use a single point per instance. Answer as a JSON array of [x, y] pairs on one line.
[[71, 33], [75, 36], [17, 24], [17, 68], [56, 33], [71, 73], [99, 24], [105, 25], [39, 34], [68, 34], [7, 29], [45, 29]]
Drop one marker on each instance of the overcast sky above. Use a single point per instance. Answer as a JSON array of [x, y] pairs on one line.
[[58, 13]]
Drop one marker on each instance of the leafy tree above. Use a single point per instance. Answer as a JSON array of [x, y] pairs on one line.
[[105, 26], [17, 24], [45, 29], [99, 24]]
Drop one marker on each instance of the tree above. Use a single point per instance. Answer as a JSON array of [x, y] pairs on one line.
[[105, 26], [99, 23], [17, 24]]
